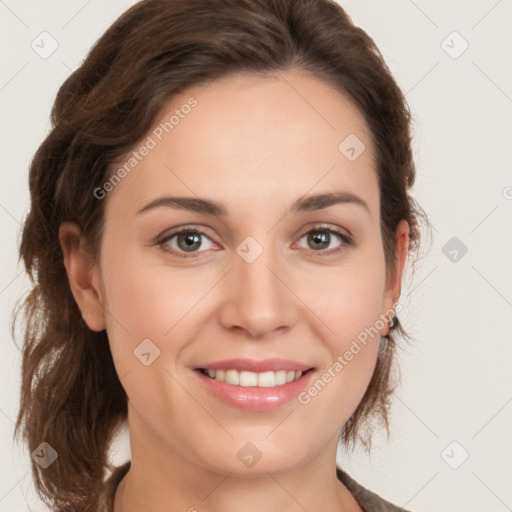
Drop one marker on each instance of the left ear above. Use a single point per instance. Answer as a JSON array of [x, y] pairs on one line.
[[394, 276]]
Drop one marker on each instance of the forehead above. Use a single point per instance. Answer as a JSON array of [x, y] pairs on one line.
[[251, 139]]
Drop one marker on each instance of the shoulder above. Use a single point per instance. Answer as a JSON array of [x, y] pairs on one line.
[[367, 500], [110, 487]]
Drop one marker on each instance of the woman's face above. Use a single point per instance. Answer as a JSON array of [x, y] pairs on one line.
[[261, 278]]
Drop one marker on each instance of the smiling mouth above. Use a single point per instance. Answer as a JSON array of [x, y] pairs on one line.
[[245, 378]]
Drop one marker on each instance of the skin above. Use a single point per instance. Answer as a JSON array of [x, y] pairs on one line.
[[255, 145]]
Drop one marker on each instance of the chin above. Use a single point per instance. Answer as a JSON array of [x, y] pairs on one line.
[[254, 459]]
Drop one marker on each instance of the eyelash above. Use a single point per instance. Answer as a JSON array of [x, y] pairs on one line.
[[345, 239]]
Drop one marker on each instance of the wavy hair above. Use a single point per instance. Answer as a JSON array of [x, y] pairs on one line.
[[71, 395]]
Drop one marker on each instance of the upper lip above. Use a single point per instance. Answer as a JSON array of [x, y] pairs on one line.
[[253, 365]]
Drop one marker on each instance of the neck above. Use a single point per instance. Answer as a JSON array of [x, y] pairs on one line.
[[161, 476]]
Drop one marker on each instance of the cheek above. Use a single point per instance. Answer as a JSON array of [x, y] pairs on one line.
[[349, 305], [143, 302], [349, 299], [146, 321], [352, 342], [145, 297]]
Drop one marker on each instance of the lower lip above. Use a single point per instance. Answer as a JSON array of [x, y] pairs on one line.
[[254, 397]]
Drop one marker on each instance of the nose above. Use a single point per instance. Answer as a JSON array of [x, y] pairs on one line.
[[259, 298]]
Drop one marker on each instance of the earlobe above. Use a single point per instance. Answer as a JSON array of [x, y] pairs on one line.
[[83, 276]]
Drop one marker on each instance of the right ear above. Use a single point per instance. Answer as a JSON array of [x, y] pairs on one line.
[[83, 275]]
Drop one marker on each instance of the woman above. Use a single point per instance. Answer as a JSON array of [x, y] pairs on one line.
[[219, 225]]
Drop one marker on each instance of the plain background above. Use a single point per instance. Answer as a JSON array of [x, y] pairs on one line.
[[456, 374]]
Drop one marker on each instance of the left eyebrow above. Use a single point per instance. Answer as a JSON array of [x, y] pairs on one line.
[[320, 201]]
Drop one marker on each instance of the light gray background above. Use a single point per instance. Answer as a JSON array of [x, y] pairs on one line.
[[456, 375]]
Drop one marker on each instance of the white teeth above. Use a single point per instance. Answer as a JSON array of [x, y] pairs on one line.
[[280, 377], [266, 379], [248, 378], [262, 380], [232, 377]]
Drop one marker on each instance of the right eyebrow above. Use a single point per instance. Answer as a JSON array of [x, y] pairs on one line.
[[187, 203]]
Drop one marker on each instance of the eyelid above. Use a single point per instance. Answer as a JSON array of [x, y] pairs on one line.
[[162, 239], [347, 239], [343, 234]]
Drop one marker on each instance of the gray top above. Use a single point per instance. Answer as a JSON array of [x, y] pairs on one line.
[[367, 500]]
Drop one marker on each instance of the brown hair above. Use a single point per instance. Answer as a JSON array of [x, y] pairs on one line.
[[71, 396]]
